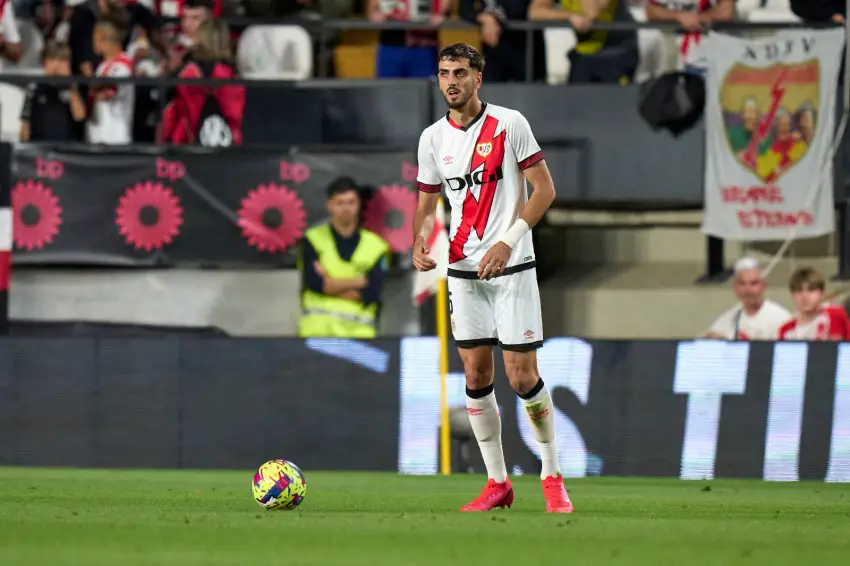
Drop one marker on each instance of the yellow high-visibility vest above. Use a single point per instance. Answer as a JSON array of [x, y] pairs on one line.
[[324, 315]]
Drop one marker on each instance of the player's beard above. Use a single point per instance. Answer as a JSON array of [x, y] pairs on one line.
[[462, 99]]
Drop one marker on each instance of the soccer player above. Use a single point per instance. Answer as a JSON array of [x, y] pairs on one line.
[[483, 154], [815, 318]]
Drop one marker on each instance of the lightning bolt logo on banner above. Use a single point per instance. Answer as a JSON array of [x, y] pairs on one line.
[[770, 120]]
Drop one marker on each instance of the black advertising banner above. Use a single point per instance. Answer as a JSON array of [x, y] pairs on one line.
[[194, 206], [692, 410], [198, 402], [689, 410]]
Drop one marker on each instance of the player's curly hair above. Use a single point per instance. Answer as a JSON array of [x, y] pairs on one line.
[[460, 51]]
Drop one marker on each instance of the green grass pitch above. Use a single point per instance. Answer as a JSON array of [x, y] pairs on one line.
[[163, 518]]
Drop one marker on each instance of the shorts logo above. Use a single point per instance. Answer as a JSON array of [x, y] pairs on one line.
[[528, 334], [448, 159], [484, 149]]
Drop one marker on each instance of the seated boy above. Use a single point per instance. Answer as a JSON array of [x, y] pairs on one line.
[[815, 318]]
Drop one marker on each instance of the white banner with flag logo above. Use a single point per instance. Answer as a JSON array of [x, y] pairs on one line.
[[770, 122]]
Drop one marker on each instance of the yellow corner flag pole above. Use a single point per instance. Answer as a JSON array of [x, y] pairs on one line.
[[443, 336]]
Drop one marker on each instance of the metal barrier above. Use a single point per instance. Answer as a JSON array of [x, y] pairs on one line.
[[715, 269], [321, 29]]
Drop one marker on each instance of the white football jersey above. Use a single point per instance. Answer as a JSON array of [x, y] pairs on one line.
[[481, 167], [112, 119]]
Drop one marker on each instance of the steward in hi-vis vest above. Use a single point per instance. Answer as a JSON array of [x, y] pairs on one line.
[[343, 269]]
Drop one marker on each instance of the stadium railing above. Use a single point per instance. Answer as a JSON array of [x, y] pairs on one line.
[[715, 262]]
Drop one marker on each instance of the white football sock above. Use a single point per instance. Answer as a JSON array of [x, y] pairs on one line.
[[487, 426], [541, 414]]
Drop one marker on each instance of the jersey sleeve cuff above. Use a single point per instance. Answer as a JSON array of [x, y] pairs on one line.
[[531, 160], [426, 188]]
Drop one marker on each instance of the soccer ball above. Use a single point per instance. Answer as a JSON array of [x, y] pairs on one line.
[[279, 484]]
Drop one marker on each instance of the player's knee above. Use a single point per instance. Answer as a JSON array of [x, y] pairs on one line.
[[523, 376], [478, 376]]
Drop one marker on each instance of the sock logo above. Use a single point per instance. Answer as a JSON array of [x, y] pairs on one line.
[[474, 412], [537, 412]]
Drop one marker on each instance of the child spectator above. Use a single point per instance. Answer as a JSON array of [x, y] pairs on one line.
[[815, 318], [53, 112]]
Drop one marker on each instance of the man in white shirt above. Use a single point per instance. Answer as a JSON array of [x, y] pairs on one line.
[[112, 119], [10, 37], [754, 317]]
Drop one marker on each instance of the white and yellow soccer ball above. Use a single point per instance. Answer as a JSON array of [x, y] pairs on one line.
[[279, 484]]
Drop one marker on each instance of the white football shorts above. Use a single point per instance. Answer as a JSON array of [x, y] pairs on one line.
[[503, 311]]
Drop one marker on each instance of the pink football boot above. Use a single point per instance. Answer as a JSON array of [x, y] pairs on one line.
[[557, 500], [494, 495]]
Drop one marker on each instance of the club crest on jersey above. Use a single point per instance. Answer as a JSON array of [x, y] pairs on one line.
[[484, 149]]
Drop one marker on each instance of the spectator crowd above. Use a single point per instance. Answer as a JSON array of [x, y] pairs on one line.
[[755, 317], [121, 39], [189, 39]]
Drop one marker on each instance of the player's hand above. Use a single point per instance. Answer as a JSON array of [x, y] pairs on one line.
[[421, 259], [494, 261], [838, 18], [319, 269]]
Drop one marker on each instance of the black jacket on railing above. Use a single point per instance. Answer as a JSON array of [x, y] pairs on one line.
[[818, 10]]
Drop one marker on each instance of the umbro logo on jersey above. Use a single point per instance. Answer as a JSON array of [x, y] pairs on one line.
[[484, 149], [471, 179], [448, 159]]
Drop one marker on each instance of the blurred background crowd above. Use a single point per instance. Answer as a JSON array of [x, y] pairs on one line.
[[189, 38]]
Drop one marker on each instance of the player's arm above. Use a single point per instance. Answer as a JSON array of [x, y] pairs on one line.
[[543, 195], [530, 159], [429, 183]]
